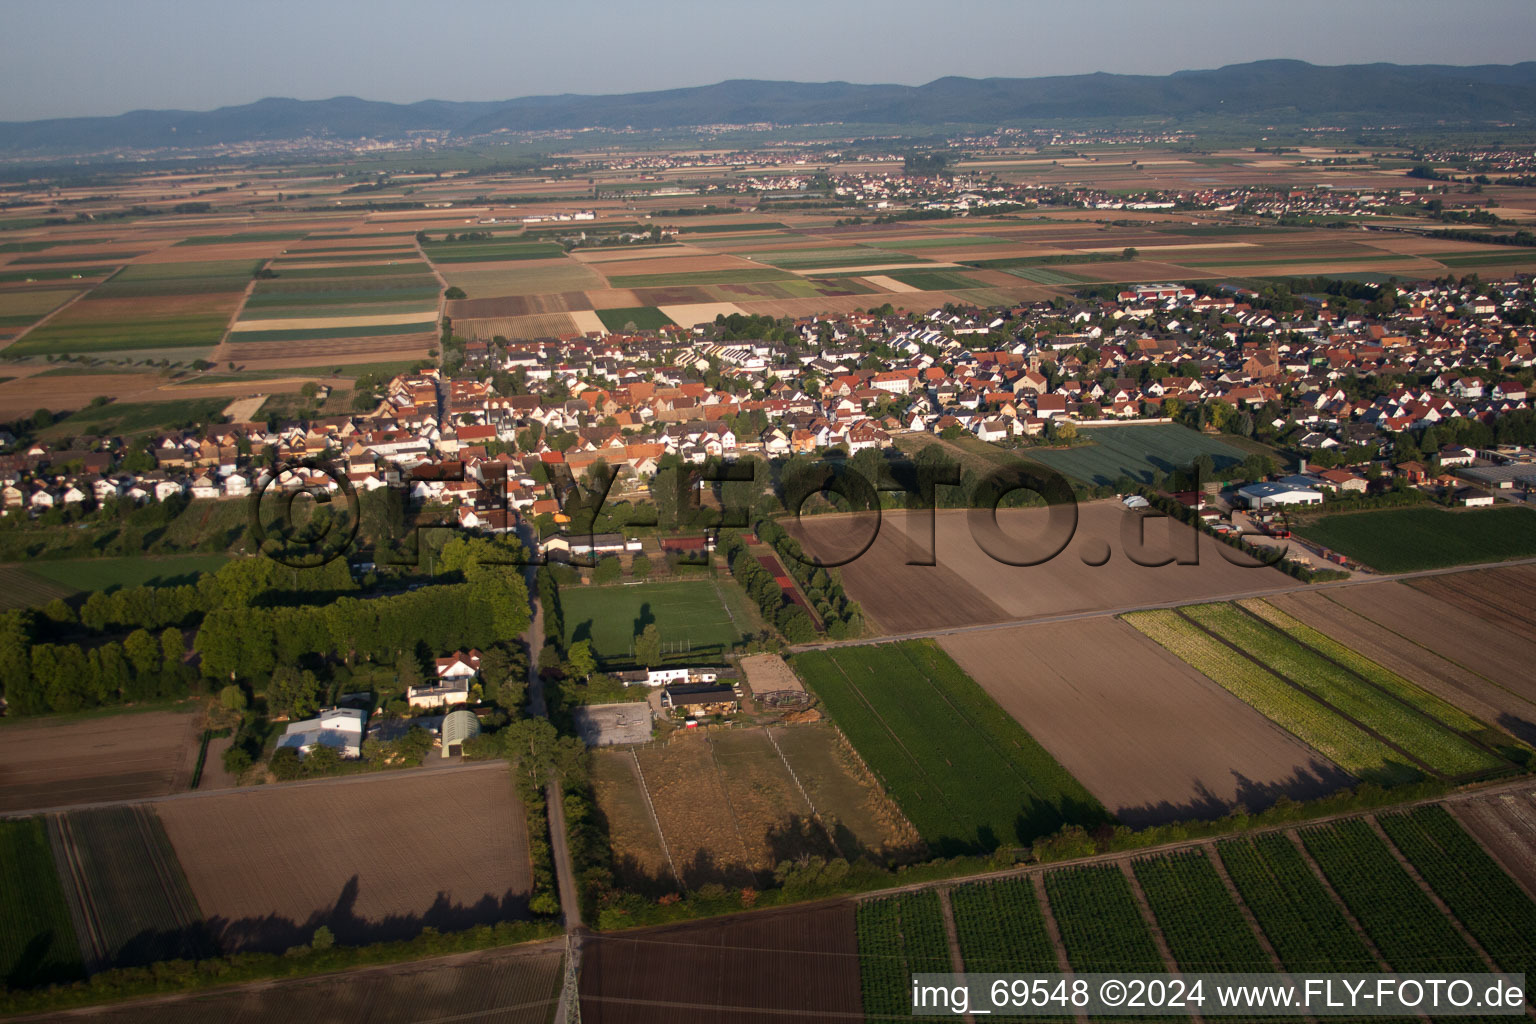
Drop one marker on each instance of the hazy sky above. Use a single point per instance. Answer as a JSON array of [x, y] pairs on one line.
[[62, 58]]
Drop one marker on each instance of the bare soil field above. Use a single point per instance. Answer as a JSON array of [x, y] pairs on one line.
[[116, 757], [968, 586], [768, 672], [519, 328], [793, 964], [1370, 627], [373, 858], [1505, 823], [1496, 595], [321, 350], [1468, 639], [517, 305], [1152, 738], [699, 312], [513, 985]]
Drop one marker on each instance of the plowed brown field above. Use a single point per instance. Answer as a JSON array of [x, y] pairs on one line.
[[373, 858], [968, 586], [120, 757], [1152, 738], [780, 965]]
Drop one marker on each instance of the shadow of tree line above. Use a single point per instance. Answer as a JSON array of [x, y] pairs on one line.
[[42, 963]]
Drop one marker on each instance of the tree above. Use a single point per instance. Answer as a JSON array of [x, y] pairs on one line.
[[648, 646], [292, 692], [285, 763], [408, 669], [1129, 253], [237, 761], [607, 570], [233, 698], [581, 660], [173, 647], [143, 651], [640, 567], [453, 292]]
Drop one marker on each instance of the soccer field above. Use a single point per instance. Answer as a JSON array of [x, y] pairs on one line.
[[692, 617]]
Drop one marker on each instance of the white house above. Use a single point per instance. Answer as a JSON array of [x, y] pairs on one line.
[[338, 728]]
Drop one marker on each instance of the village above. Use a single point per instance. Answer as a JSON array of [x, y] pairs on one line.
[[1358, 387]]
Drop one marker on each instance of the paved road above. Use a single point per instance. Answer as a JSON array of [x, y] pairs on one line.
[[1355, 581]]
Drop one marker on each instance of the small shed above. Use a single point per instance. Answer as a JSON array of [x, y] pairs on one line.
[[458, 728]]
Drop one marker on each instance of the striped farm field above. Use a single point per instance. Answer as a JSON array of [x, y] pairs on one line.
[[147, 306], [1341, 742], [490, 251], [966, 774], [1369, 721], [37, 937]]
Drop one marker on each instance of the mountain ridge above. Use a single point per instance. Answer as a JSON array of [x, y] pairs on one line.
[[1272, 88]]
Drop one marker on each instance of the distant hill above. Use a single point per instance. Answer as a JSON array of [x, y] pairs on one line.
[[1283, 91]]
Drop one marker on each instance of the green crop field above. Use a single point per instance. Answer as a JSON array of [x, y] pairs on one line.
[[71, 274], [125, 871], [1397, 915], [815, 259], [84, 574], [137, 417], [1138, 452], [933, 280], [1001, 926], [148, 280], [1203, 926], [1302, 922], [243, 236], [1101, 925], [899, 936], [37, 939], [1398, 722], [489, 252], [965, 773], [70, 332], [645, 318], [1386, 680], [1493, 907], [1346, 745], [745, 276], [1409, 539], [1045, 275], [692, 616], [317, 333]]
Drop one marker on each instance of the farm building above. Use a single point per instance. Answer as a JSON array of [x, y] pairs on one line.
[[1257, 496], [700, 699], [592, 545], [339, 728], [458, 728], [666, 676]]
